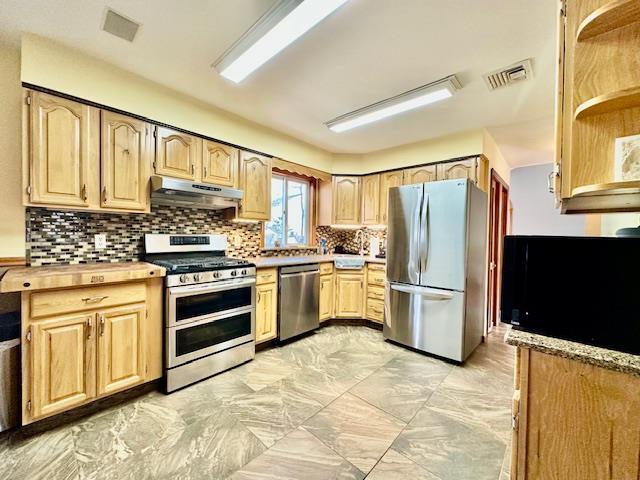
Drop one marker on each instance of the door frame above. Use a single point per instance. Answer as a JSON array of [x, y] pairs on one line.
[[499, 207]]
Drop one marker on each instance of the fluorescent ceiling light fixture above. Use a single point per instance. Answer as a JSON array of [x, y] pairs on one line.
[[286, 21], [418, 97]]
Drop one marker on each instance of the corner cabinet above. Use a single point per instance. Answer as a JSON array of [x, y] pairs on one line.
[[219, 164], [176, 153], [126, 153], [255, 182], [62, 151], [346, 200], [598, 107], [349, 294], [371, 200]]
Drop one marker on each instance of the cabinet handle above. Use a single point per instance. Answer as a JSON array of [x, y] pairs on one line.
[[193, 169], [104, 194], [89, 327], [258, 296], [205, 172], [101, 325], [83, 192], [94, 299]]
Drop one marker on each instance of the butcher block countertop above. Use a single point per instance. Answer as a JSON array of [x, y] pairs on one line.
[[283, 261], [62, 276]]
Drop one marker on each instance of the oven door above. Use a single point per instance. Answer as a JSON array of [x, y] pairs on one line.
[[198, 339], [192, 303]]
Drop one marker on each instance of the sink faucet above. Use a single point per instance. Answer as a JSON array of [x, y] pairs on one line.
[[360, 239]]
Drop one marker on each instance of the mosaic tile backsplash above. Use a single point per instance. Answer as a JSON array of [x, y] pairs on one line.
[[67, 237]]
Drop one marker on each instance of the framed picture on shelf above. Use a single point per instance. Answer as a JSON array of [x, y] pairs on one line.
[[627, 158]]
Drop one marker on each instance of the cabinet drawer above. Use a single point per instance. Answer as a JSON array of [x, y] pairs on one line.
[[376, 277], [375, 310], [376, 266], [375, 292], [266, 275], [56, 302], [326, 268]]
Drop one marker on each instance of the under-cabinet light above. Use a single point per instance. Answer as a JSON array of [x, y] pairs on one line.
[[418, 97], [286, 21]]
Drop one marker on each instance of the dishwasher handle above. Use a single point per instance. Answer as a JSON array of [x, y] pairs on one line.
[[300, 274], [294, 270]]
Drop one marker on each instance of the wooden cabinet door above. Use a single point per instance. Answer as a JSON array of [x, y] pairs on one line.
[[349, 295], [126, 159], [62, 363], [326, 297], [346, 200], [266, 312], [219, 163], [64, 140], [255, 182], [387, 181], [426, 173], [462, 169], [176, 153], [371, 200], [121, 347]]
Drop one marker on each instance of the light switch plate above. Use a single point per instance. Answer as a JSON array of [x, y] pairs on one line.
[[100, 240]]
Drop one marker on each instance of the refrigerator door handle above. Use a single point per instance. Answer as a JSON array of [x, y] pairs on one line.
[[414, 247], [430, 293], [424, 234]]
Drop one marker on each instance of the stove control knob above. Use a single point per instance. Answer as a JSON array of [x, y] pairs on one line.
[[216, 274], [244, 271], [196, 277], [234, 273], [184, 278]]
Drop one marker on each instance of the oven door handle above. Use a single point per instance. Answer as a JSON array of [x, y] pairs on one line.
[[212, 319], [211, 287]]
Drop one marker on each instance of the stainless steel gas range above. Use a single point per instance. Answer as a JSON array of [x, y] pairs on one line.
[[209, 306]]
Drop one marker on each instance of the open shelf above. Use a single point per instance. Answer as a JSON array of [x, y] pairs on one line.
[[610, 102], [613, 15]]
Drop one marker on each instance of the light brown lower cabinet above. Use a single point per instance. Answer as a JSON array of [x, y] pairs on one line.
[[376, 278], [83, 351], [349, 294], [326, 297], [573, 420], [266, 304]]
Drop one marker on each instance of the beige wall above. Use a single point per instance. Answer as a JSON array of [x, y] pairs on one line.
[[59, 68], [496, 159], [11, 210], [428, 151]]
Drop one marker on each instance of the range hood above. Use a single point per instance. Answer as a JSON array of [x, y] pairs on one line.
[[184, 193]]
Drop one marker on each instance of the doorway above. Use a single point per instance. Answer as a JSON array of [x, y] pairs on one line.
[[498, 228]]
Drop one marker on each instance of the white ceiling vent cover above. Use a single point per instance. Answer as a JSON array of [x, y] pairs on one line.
[[120, 26], [518, 72]]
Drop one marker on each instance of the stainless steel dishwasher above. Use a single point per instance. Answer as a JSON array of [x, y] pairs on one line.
[[299, 300]]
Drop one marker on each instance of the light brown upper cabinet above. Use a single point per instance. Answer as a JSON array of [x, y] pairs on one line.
[[387, 181], [219, 163], [126, 158], [346, 200], [255, 182], [63, 143], [461, 169], [371, 199], [598, 106], [426, 173], [176, 153]]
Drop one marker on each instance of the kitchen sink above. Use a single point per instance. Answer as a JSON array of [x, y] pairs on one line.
[[349, 263]]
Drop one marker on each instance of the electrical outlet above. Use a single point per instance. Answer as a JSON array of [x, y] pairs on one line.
[[100, 240]]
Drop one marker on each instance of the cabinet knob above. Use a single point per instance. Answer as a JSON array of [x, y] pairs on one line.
[[83, 192]]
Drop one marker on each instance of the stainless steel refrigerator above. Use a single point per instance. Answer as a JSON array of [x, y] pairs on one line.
[[436, 267]]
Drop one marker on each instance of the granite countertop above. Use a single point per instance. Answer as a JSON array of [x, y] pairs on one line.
[[597, 356], [262, 262]]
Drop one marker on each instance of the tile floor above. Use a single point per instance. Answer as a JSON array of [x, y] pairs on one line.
[[341, 404]]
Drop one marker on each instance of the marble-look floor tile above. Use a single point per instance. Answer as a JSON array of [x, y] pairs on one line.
[[47, 456], [274, 411], [323, 385], [398, 467], [299, 455], [266, 369], [403, 385], [356, 430], [449, 448]]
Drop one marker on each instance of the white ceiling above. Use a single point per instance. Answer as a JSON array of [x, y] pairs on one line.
[[366, 51]]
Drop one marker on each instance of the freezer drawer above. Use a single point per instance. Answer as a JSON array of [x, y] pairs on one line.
[[428, 319]]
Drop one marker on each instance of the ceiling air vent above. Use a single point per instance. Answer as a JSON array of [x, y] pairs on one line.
[[120, 26], [515, 73]]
